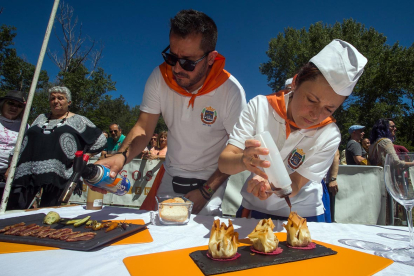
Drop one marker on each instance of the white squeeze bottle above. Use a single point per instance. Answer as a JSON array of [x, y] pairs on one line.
[[279, 179]]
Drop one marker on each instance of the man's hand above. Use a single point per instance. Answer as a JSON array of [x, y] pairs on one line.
[[115, 164], [333, 187], [199, 201], [258, 186]]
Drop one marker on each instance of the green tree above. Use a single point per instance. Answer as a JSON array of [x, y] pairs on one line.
[[86, 91], [384, 89], [17, 74], [114, 111], [7, 34]]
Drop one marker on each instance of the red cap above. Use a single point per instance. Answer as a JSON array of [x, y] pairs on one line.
[[79, 153], [86, 158]]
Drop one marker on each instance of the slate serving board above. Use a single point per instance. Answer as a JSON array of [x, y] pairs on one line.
[[247, 260], [100, 239]]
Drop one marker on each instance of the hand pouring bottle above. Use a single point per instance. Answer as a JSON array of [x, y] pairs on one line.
[[278, 176], [98, 176]]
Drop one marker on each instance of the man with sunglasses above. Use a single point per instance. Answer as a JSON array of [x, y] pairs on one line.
[[115, 140], [200, 103]]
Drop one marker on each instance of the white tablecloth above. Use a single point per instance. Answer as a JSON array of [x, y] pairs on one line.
[[108, 261]]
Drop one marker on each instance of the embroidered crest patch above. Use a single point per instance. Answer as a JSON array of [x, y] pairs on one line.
[[296, 158], [208, 115]]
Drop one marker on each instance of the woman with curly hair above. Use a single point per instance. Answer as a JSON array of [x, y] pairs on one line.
[[382, 138]]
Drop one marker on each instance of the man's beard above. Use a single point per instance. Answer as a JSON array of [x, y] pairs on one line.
[[191, 82]]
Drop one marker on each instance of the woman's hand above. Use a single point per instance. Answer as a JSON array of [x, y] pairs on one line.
[[333, 187], [251, 155], [258, 186], [151, 156]]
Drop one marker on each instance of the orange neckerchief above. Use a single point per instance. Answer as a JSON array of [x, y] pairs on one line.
[[277, 101], [216, 77]]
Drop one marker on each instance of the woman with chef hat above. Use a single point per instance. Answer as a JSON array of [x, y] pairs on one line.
[[301, 124]]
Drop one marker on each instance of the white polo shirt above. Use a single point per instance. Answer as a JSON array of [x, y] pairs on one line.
[[196, 136], [310, 152]]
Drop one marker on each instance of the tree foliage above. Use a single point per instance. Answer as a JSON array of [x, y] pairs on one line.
[[114, 111], [18, 74], [7, 34], [86, 92], [15, 72], [386, 89]]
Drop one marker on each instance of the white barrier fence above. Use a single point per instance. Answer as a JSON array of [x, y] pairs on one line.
[[140, 172], [361, 197]]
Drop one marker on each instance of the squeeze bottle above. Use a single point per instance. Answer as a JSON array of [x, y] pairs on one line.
[[279, 179]]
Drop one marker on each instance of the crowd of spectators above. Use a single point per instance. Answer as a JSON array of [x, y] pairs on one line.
[[367, 151]]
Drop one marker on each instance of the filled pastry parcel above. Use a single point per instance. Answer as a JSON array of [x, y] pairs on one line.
[[298, 234], [263, 238], [223, 241]]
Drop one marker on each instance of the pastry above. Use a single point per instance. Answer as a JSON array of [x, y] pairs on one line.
[[263, 238], [223, 241], [298, 234]]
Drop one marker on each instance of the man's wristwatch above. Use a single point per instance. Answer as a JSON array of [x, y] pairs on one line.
[[332, 179], [124, 154]]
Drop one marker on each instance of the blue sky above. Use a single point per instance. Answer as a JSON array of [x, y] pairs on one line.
[[135, 32]]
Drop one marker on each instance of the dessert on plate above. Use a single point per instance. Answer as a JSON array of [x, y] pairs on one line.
[[298, 234], [263, 238], [223, 241]]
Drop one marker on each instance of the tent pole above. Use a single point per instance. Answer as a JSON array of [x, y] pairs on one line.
[[27, 109]]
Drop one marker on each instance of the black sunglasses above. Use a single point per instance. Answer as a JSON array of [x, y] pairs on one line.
[[115, 131], [11, 103], [186, 64]]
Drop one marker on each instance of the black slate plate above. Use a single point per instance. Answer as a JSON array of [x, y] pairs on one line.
[[247, 260], [100, 239]]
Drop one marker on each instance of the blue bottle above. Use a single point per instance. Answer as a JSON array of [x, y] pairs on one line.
[[98, 176]]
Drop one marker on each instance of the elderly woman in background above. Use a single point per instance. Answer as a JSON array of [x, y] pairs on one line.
[[382, 138], [48, 150], [11, 113]]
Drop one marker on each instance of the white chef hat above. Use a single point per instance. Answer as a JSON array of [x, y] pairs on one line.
[[288, 81], [341, 64]]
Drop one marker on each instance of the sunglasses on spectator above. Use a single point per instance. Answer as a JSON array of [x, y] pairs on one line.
[[186, 64], [11, 103], [153, 138], [114, 131]]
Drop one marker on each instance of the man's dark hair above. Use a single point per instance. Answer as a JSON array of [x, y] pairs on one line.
[[188, 22]]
